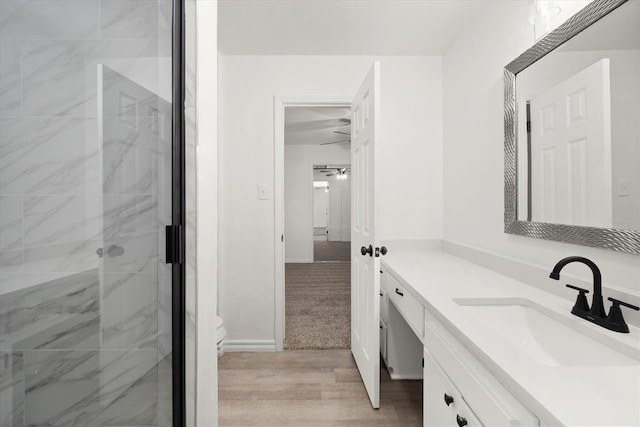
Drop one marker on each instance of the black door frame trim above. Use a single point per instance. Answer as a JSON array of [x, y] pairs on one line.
[[178, 213]]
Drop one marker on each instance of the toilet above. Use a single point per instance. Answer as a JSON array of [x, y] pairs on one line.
[[221, 334]]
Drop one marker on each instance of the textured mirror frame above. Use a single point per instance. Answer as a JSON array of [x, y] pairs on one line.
[[608, 238]]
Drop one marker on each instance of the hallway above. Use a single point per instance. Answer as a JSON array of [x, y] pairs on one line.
[[318, 388]]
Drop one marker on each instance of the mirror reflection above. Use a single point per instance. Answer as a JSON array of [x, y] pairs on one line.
[[578, 141]]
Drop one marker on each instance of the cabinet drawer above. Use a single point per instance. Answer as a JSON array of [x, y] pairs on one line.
[[443, 403], [407, 305]]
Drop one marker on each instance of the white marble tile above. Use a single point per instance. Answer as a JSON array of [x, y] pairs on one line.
[[11, 261], [11, 389], [9, 77], [56, 219], [165, 28], [129, 19], [48, 156], [190, 348], [49, 19], [129, 311], [71, 257], [120, 369], [59, 77], [91, 388], [61, 386], [10, 223], [165, 315], [30, 316]]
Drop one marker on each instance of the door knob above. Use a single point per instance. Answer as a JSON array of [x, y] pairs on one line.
[[383, 250], [448, 399], [364, 250]]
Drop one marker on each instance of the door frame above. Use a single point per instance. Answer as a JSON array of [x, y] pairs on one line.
[[280, 103]]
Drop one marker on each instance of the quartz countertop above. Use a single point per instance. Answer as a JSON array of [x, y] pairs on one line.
[[558, 395]]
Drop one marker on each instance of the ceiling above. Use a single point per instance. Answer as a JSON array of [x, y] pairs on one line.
[[341, 27], [316, 125]]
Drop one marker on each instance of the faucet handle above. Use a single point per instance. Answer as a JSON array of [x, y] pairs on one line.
[[581, 304], [581, 290], [625, 304], [615, 319]]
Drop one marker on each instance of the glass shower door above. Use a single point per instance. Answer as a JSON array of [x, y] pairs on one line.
[[86, 190]]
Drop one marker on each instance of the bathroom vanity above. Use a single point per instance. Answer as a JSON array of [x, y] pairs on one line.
[[494, 351]]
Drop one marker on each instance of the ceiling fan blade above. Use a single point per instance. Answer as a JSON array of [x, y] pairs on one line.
[[342, 133], [315, 125], [336, 142]]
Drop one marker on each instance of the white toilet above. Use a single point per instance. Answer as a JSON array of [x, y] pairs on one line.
[[221, 334]]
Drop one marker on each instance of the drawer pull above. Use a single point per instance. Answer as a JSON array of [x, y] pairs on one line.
[[462, 421], [399, 293], [448, 399]]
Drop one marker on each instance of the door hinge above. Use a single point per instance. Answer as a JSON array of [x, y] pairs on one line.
[[423, 362], [282, 237], [175, 244]]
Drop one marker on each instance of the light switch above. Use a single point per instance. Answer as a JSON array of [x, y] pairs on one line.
[[623, 189], [263, 192]]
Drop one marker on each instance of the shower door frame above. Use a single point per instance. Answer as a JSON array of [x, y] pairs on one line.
[[178, 209]]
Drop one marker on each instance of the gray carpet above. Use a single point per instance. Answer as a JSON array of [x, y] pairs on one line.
[[318, 306], [331, 251]]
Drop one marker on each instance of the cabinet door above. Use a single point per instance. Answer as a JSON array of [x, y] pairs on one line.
[[443, 405]]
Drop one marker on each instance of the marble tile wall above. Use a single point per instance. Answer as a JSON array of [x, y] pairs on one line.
[[84, 339]]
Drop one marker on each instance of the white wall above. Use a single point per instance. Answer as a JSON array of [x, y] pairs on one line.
[[298, 181], [320, 207], [473, 148], [410, 146], [340, 209]]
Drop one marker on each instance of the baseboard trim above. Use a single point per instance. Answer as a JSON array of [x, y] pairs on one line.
[[298, 261], [256, 346]]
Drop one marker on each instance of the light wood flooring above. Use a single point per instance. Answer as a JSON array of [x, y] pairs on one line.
[[315, 388]]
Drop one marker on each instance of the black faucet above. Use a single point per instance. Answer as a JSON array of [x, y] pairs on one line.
[[596, 314]]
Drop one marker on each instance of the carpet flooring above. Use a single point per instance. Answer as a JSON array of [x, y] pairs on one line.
[[318, 306], [331, 251]]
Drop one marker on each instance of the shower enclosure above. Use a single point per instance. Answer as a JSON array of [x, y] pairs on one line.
[[91, 175]]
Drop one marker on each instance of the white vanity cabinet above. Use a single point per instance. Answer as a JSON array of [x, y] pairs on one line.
[[443, 404], [384, 316], [417, 345], [478, 397]]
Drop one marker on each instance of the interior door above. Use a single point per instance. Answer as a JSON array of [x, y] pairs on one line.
[[365, 280], [571, 150]]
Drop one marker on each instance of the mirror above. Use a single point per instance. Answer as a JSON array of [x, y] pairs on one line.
[[572, 131]]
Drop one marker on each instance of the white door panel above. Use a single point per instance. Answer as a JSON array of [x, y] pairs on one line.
[[571, 150], [365, 283]]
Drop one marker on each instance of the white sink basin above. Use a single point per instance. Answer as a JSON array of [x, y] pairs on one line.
[[547, 337]]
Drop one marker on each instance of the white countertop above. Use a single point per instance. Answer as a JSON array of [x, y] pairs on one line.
[[571, 396]]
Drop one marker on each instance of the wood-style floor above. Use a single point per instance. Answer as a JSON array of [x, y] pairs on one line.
[[315, 388]]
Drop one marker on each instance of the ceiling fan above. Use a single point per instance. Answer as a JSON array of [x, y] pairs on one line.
[[339, 171], [339, 142]]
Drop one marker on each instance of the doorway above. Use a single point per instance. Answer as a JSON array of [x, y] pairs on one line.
[[331, 213], [310, 133]]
